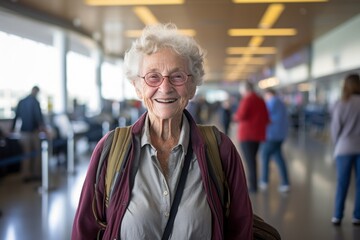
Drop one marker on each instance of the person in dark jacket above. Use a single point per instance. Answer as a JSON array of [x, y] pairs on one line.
[[28, 114], [225, 115], [165, 67]]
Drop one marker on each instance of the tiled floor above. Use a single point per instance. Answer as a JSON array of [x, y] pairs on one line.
[[303, 213]]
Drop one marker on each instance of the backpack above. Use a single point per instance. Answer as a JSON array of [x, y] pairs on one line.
[[116, 148]]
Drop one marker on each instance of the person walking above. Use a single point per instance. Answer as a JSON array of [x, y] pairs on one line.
[[276, 133], [252, 117], [29, 112], [345, 134]]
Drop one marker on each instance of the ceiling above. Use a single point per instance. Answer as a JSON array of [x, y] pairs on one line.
[[210, 19]]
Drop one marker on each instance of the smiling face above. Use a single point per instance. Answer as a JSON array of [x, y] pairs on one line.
[[166, 101]]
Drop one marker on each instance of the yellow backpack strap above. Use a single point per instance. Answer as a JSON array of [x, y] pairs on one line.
[[215, 164], [118, 151]]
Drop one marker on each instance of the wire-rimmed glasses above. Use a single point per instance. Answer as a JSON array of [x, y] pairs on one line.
[[155, 79]]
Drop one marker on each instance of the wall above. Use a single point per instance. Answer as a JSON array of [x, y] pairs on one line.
[[338, 50]]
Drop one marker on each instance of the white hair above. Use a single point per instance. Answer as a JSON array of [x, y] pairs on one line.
[[160, 36]]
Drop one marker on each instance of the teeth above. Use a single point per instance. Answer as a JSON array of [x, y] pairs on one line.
[[166, 100]]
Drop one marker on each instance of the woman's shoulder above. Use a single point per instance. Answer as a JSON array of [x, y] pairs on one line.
[[355, 98], [352, 101]]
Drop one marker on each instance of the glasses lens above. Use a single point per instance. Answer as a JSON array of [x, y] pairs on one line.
[[153, 79], [178, 78]]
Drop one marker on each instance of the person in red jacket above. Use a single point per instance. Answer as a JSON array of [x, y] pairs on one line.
[[253, 117]]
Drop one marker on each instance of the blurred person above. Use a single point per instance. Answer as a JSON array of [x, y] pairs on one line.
[[199, 109], [192, 108], [253, 117], [28, 111], [165, 68], [203, 110], [276, 133], [225, 115], [345, 134]]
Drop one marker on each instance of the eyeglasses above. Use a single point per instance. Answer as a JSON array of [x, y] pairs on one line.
[[155, 79]]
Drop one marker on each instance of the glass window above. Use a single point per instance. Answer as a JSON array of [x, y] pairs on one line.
[[113, 83], [24, 63], [81, 77]]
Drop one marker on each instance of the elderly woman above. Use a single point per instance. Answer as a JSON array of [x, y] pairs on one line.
[[165, 69]]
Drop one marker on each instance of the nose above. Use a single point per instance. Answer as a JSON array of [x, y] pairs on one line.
[[166, 85]]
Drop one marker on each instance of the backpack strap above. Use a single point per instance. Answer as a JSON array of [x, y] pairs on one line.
[[115, 149], [262, 230], [212, 139], [100, 217], [118, 151]]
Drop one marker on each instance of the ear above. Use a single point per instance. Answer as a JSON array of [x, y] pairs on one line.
[[137, 90]]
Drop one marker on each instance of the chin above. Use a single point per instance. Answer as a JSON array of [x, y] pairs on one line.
[[164, 115]]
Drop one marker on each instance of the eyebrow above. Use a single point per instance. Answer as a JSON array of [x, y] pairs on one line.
[[171, 71]]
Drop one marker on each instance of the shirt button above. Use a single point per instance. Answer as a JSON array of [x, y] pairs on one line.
[[166, 214], [165, 193]]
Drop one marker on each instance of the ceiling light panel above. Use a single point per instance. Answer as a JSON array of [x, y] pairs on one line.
[[235, 77], [256, 41], [250, 50], [188, 32], [271, 15], [245, 60], [133, 33], [132, 2], [145, 15], [240, 68], [137, 33], [278, 1], [262, 32], [269, 82], [242, 72]]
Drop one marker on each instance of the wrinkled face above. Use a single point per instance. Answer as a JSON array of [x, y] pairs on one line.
[[165, 101]]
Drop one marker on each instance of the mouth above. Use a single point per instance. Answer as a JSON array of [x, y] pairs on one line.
[[166, 101]]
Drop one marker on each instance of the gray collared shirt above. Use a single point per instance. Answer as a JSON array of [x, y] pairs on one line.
[[153, 193]]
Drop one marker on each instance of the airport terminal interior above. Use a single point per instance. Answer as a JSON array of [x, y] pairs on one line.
[[302, 213], [73, 51]]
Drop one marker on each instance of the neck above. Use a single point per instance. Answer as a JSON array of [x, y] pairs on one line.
[[164, 130], [164, 134]]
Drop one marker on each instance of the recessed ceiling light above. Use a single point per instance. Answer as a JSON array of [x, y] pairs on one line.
[[262, 32], [256, 41], [269, 82], [145, 15], [188, 32], [137, 33], [133, 2], [271, 15], [245, 60], [251, 50], [278, 1]]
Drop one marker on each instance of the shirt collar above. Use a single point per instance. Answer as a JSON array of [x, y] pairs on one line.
[[183, 139]]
